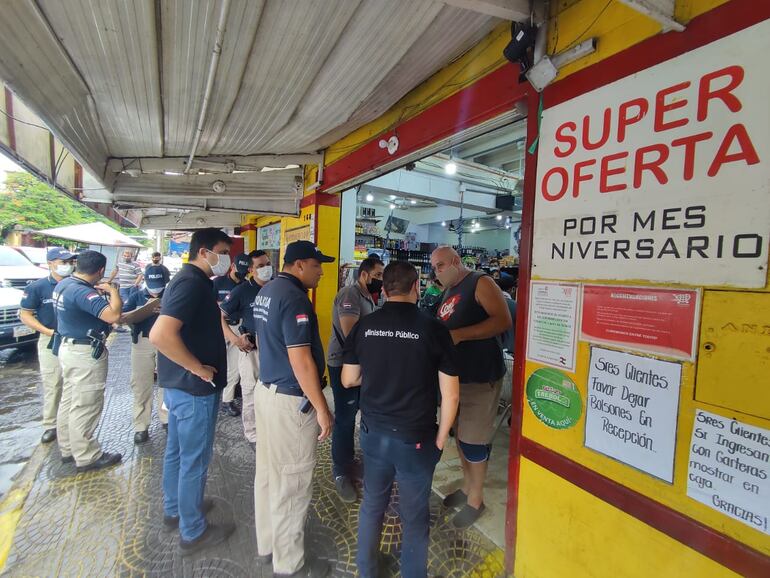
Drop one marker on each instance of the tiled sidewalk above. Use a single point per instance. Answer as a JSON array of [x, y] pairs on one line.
[[110, 523]]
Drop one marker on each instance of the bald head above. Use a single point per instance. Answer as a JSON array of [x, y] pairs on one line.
[[448, 266]]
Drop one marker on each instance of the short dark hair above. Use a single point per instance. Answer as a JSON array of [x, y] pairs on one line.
[[90, 262], [156, 254], [207, 238], [399, 277], [368, 265], [256, 254]]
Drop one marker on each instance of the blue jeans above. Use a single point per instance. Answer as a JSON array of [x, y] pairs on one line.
[[412, 465], [125, 293], [192, 421], [343, 434]]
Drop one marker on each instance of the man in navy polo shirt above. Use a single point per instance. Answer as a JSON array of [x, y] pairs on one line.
[[192, 369], [239, 307], [223, 286], [143, 355], [291, 410], [37, 313], [83, 317]]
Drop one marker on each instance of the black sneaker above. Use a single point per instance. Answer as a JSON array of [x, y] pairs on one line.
[[213, 534], [467, 516], [345, 489], [172, 522], [49, 435], [231, 409], [456, 499], [141, 437], [311, 569], [105, 461]]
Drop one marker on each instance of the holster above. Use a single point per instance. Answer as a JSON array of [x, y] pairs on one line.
[[55, 343], [97, 348]]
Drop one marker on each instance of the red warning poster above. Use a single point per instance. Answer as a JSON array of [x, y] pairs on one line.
[[650, 319]]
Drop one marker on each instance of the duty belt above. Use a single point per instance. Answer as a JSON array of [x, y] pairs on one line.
[[76, 341], [295, 391]]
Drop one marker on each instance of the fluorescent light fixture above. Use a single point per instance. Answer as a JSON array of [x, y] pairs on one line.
[[369, 198], [412, 202], [450, 168], [499, 217], [392, 197], [392, 206], [443, 223]]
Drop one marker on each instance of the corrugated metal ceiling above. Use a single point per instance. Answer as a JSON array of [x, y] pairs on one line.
[[126, 78]]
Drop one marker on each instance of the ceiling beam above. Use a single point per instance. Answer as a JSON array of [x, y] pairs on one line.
[[191, 219], [227, 163], [513, 10], [659, 10]]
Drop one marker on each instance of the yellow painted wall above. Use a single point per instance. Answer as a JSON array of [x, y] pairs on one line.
[[3, 119], [32, 142], [584, 525], [565, 531]]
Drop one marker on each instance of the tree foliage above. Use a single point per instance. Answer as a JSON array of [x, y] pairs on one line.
[[32, 204]]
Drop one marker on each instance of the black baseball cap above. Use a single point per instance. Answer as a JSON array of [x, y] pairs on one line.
[[305, 250], [242, 263]]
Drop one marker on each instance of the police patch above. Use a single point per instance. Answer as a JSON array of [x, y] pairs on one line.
[[92, 296], [301, 319]]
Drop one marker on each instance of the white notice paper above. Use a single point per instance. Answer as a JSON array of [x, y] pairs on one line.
[[632, 408], [729, 468], [552, 328]]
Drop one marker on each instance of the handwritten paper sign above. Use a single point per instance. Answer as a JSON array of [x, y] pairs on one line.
[[632, 408], [729, 469]]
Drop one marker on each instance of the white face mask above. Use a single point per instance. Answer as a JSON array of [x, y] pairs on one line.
[[64, 270], [222, 266], [265, 273]]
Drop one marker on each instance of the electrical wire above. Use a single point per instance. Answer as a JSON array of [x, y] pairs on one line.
[[582, 34], [13, 118]]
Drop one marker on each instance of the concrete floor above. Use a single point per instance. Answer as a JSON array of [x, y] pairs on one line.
[[110, 523]]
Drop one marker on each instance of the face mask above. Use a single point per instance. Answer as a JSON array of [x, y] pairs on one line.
[[64, 270], [265, 273], [154, 292], [222, 266], [374, 286], [448, 276]]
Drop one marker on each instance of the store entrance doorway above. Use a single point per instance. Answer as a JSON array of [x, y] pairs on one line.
[[469, 197]]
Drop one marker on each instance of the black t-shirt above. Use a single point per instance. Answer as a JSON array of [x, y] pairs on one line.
[[189, 297], [400, 352]]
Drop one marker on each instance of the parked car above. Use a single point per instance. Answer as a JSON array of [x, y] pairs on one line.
[[16, 270], [35, 254], [13, 333]]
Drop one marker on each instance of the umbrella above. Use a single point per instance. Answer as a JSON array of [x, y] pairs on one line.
[[92, 234]]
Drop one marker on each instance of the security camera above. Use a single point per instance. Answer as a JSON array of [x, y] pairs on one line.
[[522, 39]]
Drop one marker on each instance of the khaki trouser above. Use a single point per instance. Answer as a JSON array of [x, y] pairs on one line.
[[50, 373], [233, 354], [144, 358], [286, 455], [81, 402], [248, 367]]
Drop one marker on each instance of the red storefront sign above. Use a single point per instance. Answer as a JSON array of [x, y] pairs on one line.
[[653, 319]]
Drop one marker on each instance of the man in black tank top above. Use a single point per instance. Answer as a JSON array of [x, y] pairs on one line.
[[475, 312]]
